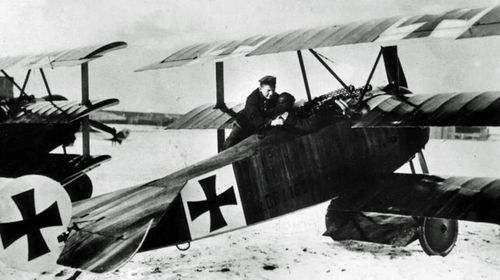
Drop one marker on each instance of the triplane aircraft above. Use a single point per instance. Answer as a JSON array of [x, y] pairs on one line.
[[365, 134], [32, 127]]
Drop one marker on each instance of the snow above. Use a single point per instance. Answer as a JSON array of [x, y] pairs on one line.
[[290, 247]]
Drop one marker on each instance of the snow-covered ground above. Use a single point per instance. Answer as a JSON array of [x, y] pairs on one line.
[[290, 247]]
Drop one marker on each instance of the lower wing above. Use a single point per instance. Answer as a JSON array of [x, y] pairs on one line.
[[445, 109], [460, 198]]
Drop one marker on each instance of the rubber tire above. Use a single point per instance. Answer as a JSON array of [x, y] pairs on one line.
[[437, 236]]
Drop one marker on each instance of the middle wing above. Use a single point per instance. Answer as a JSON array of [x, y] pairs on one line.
[[445, 109], [206, 117], [57, 111]]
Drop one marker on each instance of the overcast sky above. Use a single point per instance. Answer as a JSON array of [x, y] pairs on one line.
[[153, 29]]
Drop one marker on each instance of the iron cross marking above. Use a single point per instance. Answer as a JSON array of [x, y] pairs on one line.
[[30, 225], [212, 204]]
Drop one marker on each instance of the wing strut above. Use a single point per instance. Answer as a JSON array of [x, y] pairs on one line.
[[219, 84], [25, 83], [393, 69], [365, 88], [51, 97], [304, 75], [12, 81], [412, 166], [85, 101], [423, 163], [330, 70], [49, 92]]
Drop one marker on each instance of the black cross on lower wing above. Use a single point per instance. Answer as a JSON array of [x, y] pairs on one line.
[[30, 225], [212, 204]]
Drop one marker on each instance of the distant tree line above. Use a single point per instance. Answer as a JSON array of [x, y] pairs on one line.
[[126, 117]]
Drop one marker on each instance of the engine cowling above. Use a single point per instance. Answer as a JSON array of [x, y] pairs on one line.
[[34, 212]]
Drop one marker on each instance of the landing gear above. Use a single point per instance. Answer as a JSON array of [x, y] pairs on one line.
[[437, 236], [421, 160]]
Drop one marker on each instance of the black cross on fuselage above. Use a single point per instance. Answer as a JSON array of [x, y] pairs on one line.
[[30, 225], [212, 204]]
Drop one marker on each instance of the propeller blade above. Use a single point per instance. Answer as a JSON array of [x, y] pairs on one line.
[[393, 69], [116, 136], [102, 127]]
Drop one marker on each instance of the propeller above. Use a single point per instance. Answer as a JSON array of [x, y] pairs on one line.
[[117, 136]]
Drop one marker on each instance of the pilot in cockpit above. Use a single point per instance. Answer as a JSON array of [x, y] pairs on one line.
[[289, 118], [260, 109]]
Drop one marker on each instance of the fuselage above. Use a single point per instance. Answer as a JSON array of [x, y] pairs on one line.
[[282, 173], [21, 140], [25, 148], [32, 127]]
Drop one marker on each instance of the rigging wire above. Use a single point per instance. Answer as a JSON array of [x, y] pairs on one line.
[[325, 57]]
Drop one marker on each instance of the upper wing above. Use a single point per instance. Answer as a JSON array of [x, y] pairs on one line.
[[69, 57], [58, 111], [445, 109], [460, 198], [206, 117], [455, 24]]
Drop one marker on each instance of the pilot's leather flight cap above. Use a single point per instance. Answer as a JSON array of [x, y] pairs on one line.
[[268, 80]]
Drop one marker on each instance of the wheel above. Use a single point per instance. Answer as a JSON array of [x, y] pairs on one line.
[[438, 236]]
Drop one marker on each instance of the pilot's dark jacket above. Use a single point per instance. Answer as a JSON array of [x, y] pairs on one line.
[[301, 125], [258, 111], [256, 115]]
